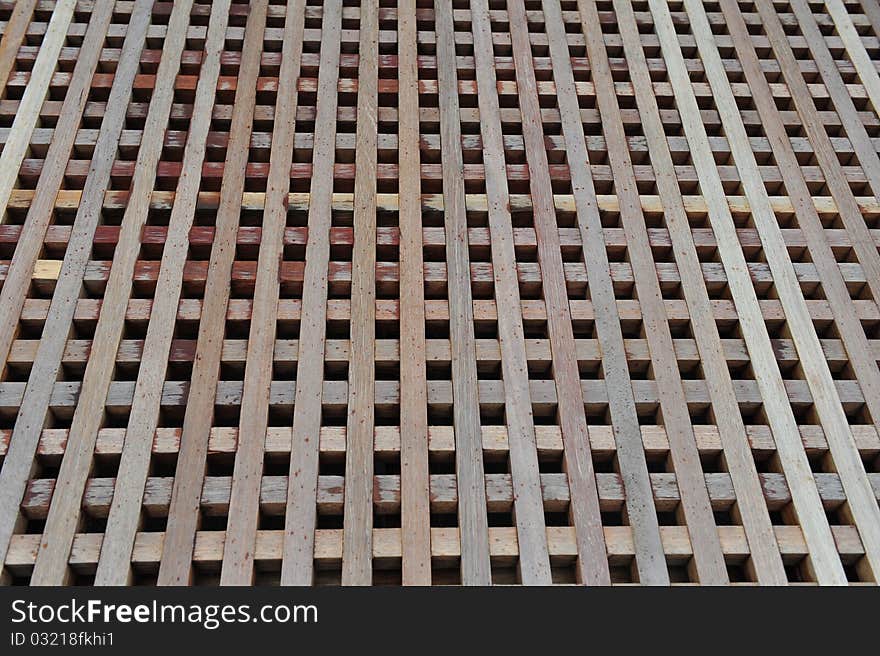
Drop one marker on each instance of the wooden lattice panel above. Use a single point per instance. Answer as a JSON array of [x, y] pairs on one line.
[[463, 291]]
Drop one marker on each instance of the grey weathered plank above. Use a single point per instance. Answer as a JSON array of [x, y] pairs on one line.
[[297, 567], [534, 561], [415, 516], [472, 518], [114, 565], [51, 565], [357, 537]]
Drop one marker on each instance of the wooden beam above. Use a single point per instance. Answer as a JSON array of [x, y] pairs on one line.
[[297, 567], [472, 519]]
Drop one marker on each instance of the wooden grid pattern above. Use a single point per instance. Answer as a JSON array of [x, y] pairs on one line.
[[440, 292]]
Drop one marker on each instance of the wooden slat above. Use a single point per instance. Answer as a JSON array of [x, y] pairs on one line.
[[441, 445], [694, 204], [650, 564], [855, 49], [326, 292], [415, 517], [534, 562], [13, 36], [357, 545], [472, 518], [445, 545], [297, 567], [214, 496], [183, 522], [587, 351], [862, 505], [837, 90], [30, 242], [847, 322], [708, 561]]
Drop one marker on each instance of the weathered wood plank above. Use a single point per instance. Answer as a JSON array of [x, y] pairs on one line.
[[29, 109], [445, 545], [123, 520], [534, 562], [297, 567], [30, 241], [51, 565], [472, 519], [708, 564], [13, 36], [415, 515], [357, 548]]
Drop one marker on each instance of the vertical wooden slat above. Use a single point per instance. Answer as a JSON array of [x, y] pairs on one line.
[[765, 558], [872, 11], [838, 185], [64, 513], [297, 567], [534, 560], [472, 518], [357, 537], [856, 51], [183, 513], [114, 566], [32, 414], [238, 555], [592, 561], [823, 555], [415, 510], [445, 266]]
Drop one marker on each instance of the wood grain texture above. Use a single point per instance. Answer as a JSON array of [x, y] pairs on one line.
[[708, 560], [13, 36], [176, 567], [534, 563], [430, 293], [297, 567], [592, 564], [122, 522], [846, 460], [29, 109], [30, 242], [51, 565], [357, 546], [415, 517], [472, 519]]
